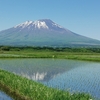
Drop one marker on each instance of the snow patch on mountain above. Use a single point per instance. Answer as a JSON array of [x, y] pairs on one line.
[[40, 24], [54, 24], [45, 24], [36, 24], [24, 25]]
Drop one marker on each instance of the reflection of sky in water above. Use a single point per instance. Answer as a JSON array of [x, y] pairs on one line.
[[81, 79], [64, 74], [3, 96]]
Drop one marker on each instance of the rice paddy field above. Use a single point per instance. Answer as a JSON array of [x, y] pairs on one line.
[[23, 89], [65, 75], [48, 75]]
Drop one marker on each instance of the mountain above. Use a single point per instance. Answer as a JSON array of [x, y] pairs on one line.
[[43, 32]]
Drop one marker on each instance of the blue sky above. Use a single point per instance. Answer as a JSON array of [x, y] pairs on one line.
[[79, 16]]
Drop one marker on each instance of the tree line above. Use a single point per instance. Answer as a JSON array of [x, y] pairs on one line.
[[58, 49]]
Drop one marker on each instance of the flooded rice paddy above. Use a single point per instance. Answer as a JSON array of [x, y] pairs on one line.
[[71, 75]]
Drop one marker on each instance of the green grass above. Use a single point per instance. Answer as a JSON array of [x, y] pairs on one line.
[[51, 54], [21, 88]]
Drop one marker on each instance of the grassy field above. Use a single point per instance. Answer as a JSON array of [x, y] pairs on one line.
[[23, 89], [89, 56]]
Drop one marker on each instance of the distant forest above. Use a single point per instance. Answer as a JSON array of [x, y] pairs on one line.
[[57, 49]]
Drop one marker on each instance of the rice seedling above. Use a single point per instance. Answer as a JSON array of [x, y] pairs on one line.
[[22, 88]]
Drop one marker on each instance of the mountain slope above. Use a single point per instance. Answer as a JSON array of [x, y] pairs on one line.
[[43, 33]]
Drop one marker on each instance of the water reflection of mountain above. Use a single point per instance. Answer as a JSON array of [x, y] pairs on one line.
[[40, 76], [45, 74], [35, 76], [39, 69]]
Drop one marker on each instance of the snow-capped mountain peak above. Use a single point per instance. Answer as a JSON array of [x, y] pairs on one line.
[[40, 24], [43, 32]]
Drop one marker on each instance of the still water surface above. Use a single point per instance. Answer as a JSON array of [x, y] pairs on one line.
[[3, 96], [71, 75]]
